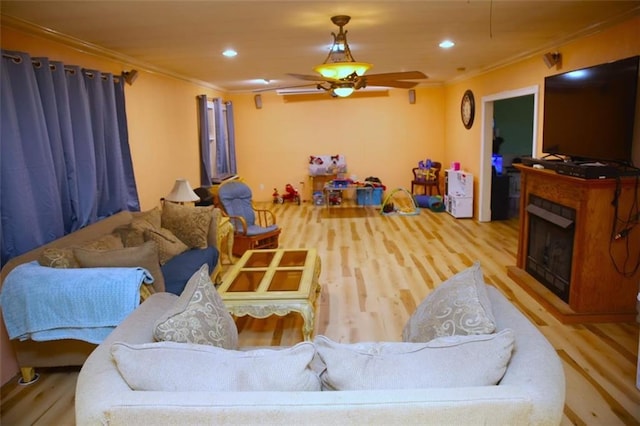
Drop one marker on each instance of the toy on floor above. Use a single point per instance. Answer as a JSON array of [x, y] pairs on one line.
[[290, 194], [399, 201], [432, 202]]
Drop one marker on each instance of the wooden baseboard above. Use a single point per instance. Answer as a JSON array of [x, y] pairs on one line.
[[559, 308]]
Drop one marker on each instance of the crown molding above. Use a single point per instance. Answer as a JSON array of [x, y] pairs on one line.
[[96, 50]]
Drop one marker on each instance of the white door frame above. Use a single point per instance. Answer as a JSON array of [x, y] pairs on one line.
[[484, 186]]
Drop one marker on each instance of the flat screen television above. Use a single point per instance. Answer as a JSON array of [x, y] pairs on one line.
[[589, 113]]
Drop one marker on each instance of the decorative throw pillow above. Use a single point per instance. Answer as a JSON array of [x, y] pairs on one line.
[[189, 223], [168, 244], [131, 236], [459, 306], [198, 316], [58, 258], [106, 242], [153, 217], [145, 256], [188, 367], [453, 361]]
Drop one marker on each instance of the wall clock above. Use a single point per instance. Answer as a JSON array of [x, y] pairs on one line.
[[468, 109]]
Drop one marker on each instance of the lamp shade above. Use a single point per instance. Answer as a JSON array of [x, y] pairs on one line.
[[340, 70], [182, 192]]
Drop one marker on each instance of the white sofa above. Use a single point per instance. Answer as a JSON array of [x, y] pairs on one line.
[[531, 392]]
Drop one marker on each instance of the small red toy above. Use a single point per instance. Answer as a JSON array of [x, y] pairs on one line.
[[290, 194]]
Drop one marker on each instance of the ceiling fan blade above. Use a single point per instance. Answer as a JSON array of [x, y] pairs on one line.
[[402, 75], [314, 77], [307, 77], [392, 83], [268, 89]]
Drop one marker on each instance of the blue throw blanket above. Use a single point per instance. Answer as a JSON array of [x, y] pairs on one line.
[[42, 303]]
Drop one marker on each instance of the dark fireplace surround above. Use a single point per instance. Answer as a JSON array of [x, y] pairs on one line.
[[550, 245]]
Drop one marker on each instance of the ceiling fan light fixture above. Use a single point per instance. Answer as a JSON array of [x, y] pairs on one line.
[[339, 63], [339, 70], [343, 90]]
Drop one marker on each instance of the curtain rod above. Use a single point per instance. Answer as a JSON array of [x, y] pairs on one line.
[[36, 63]]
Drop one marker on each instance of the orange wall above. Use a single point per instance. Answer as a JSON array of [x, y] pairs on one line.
[[380, 136]]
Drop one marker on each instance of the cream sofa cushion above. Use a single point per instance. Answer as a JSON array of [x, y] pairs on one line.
[[189, 367], [198, 316], [459, 306], [453, 361]]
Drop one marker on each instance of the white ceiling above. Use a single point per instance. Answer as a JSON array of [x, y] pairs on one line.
[[273, 38]]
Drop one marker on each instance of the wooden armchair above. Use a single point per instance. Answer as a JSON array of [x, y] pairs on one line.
[[427, 178], [254, 228]]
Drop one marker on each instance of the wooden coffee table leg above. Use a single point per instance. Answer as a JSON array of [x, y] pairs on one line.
[[308, 316]]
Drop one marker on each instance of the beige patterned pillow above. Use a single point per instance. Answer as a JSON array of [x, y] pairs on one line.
[[145, 256], [186, 367], [459, 306], [58, 258], [106, 242], [168, 244], [198, 316], [189, 223], [453, 361], [153, 217], [131, 236]]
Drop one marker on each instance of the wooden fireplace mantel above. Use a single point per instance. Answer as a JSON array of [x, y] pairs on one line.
[[598, 292]]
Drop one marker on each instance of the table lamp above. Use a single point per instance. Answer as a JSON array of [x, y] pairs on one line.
[[182, 193]]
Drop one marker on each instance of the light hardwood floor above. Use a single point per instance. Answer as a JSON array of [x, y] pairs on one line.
[[375, 270]]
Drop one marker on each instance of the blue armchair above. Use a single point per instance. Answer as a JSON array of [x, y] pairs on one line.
[[254, 228]]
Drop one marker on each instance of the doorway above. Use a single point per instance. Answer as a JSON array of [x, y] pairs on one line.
[[484, 200]]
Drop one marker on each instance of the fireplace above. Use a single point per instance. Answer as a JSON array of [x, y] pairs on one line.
[[550, 246]]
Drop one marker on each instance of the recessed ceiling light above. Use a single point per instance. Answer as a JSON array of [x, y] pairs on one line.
[[446, 44], [229, 53]]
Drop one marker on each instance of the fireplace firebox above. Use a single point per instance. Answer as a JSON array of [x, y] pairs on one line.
[[550, 250]]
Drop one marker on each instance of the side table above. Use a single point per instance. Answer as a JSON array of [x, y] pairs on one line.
[[226, 230]]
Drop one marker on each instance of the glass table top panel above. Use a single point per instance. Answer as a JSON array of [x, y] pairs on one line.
[[260, 259], [285, 281], [246, 281], [293, 258]]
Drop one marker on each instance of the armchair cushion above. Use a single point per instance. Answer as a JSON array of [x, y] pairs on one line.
[[258, 230], [236, 199]]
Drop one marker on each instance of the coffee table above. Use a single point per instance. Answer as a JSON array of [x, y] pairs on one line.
[[274, 282]]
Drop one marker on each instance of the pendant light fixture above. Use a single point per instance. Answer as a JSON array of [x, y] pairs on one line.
[[340, 64]]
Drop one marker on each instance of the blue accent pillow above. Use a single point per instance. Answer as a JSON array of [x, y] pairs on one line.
[[180, 268]]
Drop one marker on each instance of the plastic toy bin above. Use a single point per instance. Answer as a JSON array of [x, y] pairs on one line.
[[364, 199]]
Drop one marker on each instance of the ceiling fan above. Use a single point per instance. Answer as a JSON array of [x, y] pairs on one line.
[[341, 75]]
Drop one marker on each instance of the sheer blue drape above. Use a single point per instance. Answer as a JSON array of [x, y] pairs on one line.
[[222, 165], [64, 151], [225, 136], [231, 139], [205, 150]]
